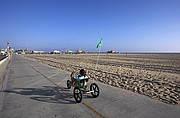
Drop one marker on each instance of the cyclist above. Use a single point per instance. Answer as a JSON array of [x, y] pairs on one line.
[[82, 77]]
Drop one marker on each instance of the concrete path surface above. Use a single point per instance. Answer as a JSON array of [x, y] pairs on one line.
[[34, 90]]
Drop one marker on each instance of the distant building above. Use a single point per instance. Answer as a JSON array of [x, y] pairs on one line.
[[112, 51], [67, 52], [23, 51], [28, 51], [19, 51], [3, 51], [38, 52], [80, 51], [56, 52]]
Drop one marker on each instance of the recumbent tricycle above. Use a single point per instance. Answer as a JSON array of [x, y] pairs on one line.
[[82, 87]]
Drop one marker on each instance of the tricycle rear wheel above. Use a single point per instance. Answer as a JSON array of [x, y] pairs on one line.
[[69, 84]]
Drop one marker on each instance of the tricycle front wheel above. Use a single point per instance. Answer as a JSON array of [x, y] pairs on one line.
[[94, 90], [77, 94]]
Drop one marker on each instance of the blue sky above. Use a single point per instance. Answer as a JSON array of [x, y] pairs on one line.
[[124, 25]]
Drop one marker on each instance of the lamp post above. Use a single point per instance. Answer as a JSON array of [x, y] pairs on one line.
[[8, 50]]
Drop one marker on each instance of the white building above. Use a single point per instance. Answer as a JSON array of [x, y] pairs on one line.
[[38, 52], [56, 52], [3, 51]]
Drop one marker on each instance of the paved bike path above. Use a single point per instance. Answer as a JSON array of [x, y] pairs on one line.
[[35, 90]]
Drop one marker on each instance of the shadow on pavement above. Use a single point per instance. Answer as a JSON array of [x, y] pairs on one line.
[[49, 94]]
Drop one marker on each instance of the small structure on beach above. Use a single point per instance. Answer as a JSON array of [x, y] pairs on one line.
[[56, 52], [112, 51]]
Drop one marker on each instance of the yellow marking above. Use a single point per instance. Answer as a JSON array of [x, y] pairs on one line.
[[97, 113]]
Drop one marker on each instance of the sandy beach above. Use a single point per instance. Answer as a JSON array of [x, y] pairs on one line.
[[153, 75]]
